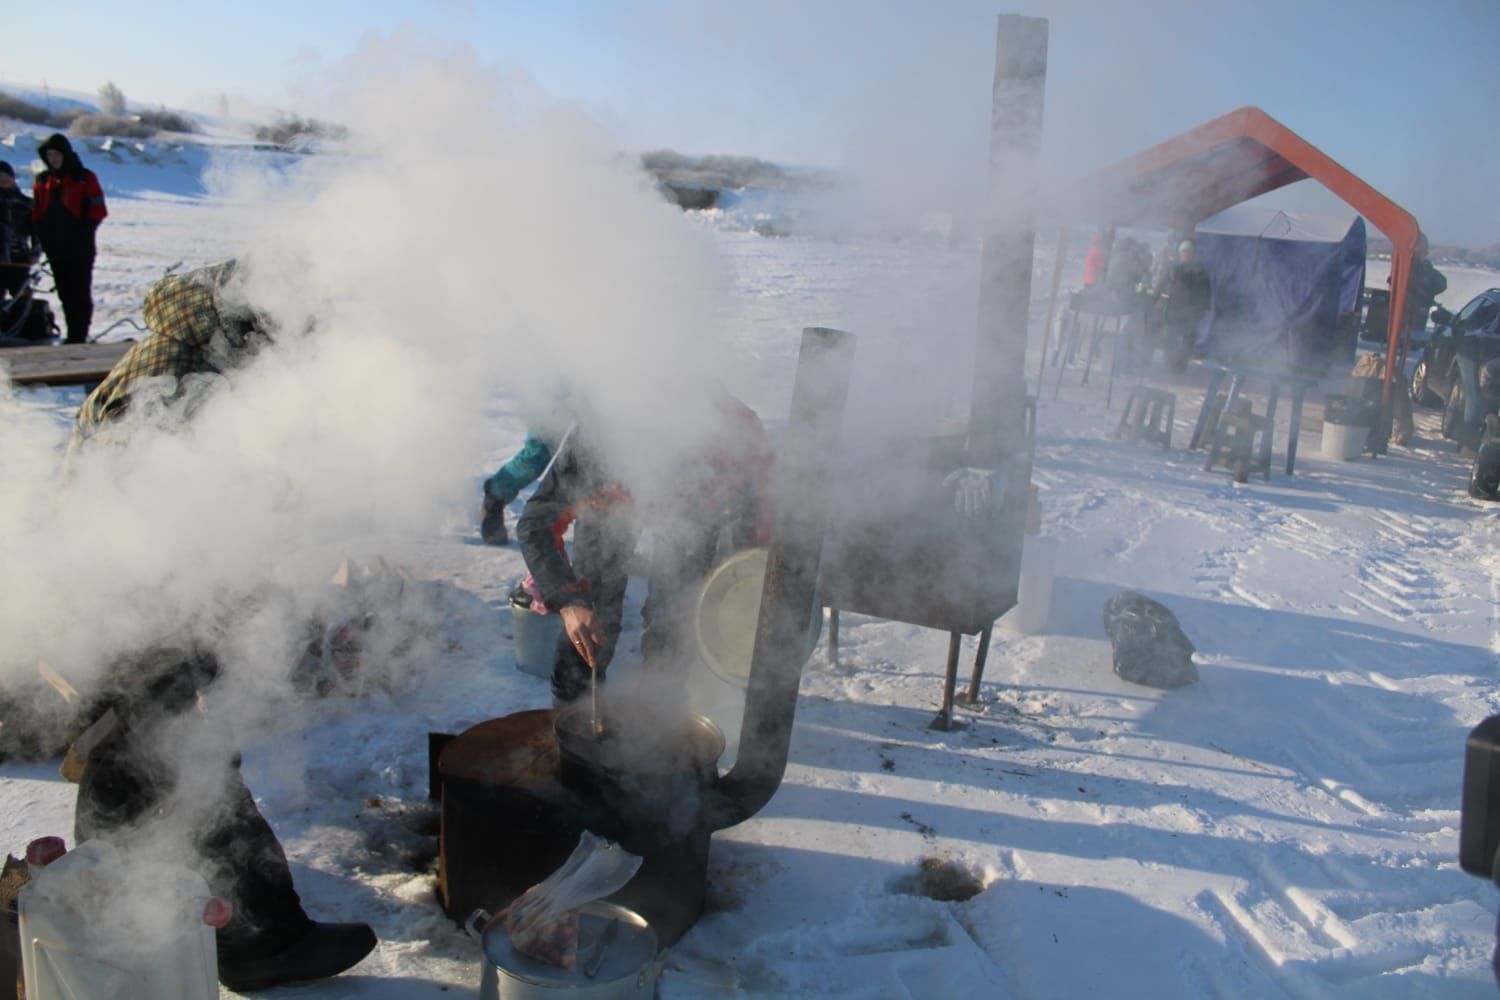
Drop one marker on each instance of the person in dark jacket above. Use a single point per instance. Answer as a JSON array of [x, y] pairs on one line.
[[717, 489], [133, 773], [18, 250], [1185, 298], [1427, 284], [588, 590], [67, 207]]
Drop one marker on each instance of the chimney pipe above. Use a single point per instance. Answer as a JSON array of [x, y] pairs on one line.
[[996, 419], [787, 600]]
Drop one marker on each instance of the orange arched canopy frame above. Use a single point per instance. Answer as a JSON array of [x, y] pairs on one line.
[[1246, 153]]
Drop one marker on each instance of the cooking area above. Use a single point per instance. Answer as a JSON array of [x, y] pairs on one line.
[[517, 792]]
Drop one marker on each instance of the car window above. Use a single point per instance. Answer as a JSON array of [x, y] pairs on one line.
[[1479, 316]]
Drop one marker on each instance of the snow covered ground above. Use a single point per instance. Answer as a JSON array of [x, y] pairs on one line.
[[1287, 826]]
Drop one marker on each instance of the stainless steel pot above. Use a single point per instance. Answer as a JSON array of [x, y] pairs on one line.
[[615, 944]]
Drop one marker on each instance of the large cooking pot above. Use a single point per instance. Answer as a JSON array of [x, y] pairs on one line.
[[616, 945], [648, 767]]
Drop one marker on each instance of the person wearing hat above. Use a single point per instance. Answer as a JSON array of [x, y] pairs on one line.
[[134, 779], [68, 207], [1185, 299], [18, 250]]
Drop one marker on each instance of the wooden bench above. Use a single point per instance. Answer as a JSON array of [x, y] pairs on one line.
[[62, 364]]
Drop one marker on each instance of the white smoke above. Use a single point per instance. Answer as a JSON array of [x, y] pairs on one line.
[[472, 238]]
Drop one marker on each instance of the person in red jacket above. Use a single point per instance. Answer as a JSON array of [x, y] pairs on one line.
[[67, 207], [1095, 263]]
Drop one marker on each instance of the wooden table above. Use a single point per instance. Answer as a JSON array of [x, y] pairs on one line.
[[62, 364]]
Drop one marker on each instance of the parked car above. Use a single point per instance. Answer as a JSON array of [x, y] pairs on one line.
[[1475, 330]]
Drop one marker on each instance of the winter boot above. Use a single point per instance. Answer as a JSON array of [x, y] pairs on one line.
[[323, 950], [492, 521]]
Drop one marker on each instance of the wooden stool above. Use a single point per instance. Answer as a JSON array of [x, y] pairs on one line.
[[1244, 438], [1148, 416]]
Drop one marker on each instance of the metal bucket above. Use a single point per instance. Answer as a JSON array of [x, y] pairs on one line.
[[616, 944], [536, 638]]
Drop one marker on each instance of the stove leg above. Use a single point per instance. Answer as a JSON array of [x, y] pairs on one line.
[[833, 636], [945, 722], [971, 698]]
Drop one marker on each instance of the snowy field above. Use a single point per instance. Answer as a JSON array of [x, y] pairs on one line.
[[1286, 827]]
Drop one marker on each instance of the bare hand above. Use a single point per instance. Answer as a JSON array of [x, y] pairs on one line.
[[583, 631]]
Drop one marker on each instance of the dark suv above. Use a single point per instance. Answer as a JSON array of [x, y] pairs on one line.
[[1473, 332]]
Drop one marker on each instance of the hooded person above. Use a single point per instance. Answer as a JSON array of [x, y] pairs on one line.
[[199, 327], [18, 250], [134, 783], [587, 587], [67, 207]]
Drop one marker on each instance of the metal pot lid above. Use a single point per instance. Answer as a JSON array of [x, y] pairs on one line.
[[629, 947], [728, 612]]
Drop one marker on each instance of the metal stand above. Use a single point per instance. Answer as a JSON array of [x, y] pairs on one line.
[[970, 698], [833, 636], [945, 722]]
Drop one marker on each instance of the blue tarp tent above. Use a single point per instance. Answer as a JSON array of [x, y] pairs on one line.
[[1281, 280]]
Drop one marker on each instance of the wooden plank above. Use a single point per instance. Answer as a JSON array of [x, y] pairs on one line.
[[62, 364]]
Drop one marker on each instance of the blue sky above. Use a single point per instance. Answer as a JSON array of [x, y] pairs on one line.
[[1405, 94]]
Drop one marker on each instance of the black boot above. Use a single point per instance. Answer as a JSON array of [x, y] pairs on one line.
[[323, 950], [492, 521]]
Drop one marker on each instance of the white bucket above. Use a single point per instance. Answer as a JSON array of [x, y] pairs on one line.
[[1038, 567], [1344, 442], [536, 638], [94, 925]]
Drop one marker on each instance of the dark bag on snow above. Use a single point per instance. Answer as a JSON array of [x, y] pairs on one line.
[[29, 320], [1149, 646]]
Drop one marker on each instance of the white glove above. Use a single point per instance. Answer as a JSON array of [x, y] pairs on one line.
[[975, 491]]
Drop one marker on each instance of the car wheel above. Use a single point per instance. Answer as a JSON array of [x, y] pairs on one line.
[[1453, 413], [1420, 394]]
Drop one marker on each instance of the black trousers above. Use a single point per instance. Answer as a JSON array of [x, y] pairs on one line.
[[12, 279], [73, 274], [128, 795]]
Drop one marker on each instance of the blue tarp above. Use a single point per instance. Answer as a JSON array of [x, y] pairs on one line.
[[1280, 282]]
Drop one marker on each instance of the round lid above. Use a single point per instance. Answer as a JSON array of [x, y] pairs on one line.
[[729, 611], [622, 952]]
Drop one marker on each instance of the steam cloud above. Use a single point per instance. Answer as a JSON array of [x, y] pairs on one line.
[[475, 238]]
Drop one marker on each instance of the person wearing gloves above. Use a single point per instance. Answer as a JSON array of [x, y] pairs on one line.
[[18, 250], [135, 788], [67, 207]]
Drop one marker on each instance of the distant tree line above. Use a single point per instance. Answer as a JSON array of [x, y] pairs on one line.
[[113, 119], [1440, 253], [290, 130], [718, 172]]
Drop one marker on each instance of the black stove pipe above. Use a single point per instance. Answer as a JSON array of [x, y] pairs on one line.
[[788, 598]]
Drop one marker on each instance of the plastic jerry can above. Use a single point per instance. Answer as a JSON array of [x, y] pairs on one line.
[[94, 925]]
